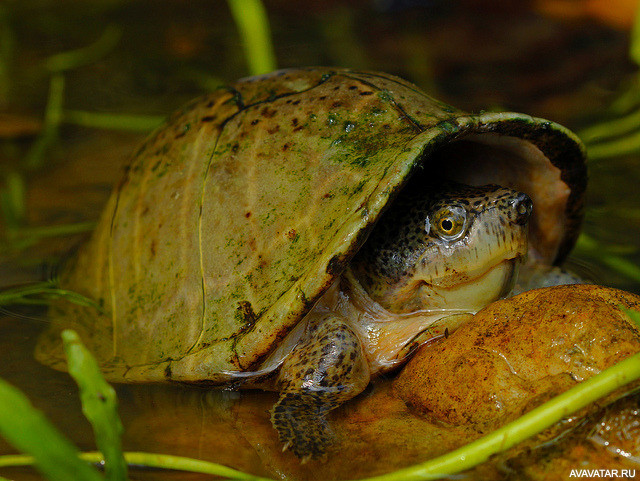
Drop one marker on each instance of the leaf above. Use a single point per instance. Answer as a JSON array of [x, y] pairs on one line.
[[253, 24], [41, 293], [28, 430], [99, 405]]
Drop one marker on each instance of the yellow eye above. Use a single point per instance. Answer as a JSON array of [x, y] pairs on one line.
[[449, 223]]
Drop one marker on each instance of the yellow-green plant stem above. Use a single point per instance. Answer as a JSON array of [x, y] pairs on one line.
[[85, 55], [40, 293], [459, 460], [52, 118], [53, 230], [610, 129], [101, 120], [253, 24], [12, 201], [622, 146], [524, 427], [590, 246], [99, 405], [150, 460]]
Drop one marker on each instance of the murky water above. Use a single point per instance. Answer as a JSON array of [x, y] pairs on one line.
[[472, 55]]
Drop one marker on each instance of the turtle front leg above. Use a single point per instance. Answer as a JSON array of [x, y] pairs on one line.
[[325, 369]]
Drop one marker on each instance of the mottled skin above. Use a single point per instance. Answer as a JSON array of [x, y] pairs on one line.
[[415, 258]]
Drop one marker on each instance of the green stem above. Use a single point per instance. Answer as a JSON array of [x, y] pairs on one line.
[[522, 428], [76, 58], [454, 462], [610, 129], [149, 460], [12, 202], [252, 22], [52, 118], [99, 120], [41, 293], [590, 246], [622, 146], [53, 230]]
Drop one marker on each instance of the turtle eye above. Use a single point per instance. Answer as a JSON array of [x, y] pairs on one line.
[[449, 223]]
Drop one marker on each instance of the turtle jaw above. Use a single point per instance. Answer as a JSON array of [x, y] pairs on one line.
[[472, 291]]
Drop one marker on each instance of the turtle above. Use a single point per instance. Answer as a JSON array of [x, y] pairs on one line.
[[303, 231]]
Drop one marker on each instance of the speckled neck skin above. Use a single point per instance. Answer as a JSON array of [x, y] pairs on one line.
[[445, 245]]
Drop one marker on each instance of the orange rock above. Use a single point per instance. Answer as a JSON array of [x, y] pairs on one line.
[[518, 351]]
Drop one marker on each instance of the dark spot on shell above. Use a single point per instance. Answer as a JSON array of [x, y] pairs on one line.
[[268, 113], [366, 92], [286, 146], [291, 234], [245, 312], [353, 87], [208, 118], [183, 131], [152, 248], [156, 165], [167, 371], [335, 266], [324, 97], [235, 147], [294, 121], [255, 121], [336, 104], [296, 102], [210, 103], [247, 214]]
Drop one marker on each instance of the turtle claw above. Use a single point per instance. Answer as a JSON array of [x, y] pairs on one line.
[[301, 425]]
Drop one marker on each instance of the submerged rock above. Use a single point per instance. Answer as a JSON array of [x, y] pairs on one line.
[[517, 352]]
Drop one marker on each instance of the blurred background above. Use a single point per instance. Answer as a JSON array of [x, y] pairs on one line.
[[82, 82]]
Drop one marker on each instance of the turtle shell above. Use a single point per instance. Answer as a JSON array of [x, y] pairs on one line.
[[235, 216]]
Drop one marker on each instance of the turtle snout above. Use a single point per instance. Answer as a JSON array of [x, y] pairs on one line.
[[522, 207]]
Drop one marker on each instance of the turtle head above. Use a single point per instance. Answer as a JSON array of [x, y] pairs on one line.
[[445, 246]]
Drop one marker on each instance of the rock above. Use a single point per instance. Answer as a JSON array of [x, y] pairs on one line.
[[517, 352]]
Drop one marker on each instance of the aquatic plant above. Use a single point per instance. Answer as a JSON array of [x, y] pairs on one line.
[[58, 459]]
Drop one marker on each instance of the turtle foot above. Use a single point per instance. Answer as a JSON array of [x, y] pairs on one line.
[[300, 419]]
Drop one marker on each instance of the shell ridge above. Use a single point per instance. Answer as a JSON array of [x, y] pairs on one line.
[[114, 319], [403, 114], [242, 106], [200, 254], [357, 74]]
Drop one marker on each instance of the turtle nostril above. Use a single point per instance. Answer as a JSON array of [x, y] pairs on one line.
[[522, 206]]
